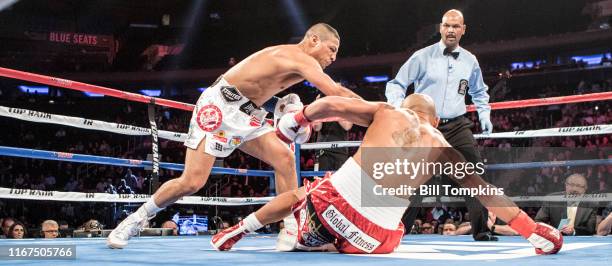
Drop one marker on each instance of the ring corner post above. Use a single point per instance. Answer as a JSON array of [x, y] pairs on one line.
[[298, 171]]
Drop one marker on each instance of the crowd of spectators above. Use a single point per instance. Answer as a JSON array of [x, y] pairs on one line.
[[20, 173]]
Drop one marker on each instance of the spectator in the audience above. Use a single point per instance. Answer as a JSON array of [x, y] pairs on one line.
[[449, 229], [427, 229], [91, 225], [16, 231], [131, 180], [6, 225], [171, 225], [49, 229], [572, 218], [63, 225], [123, 188]]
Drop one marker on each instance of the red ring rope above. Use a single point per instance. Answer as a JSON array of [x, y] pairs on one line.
[[75, 85]]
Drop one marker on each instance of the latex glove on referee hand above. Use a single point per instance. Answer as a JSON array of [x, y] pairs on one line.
[[294, 127], [486, 125], [290, 103], [545, 238]]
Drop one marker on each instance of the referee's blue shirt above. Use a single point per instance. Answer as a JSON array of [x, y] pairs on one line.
[[444, 78]]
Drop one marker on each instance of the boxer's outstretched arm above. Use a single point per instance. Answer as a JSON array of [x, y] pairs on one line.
[[310, 70], [357, 111]]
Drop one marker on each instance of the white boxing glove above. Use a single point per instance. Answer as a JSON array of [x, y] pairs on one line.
[[291, 103], [294, 127]]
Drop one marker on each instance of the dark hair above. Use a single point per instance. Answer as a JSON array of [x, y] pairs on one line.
[[10, 232], [317, 28], [6, 219]]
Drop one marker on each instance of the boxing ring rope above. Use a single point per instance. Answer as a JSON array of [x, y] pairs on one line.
[[31, 194], [84, 123], [75, 85], [79, 86], [82, 158], [511, 166]]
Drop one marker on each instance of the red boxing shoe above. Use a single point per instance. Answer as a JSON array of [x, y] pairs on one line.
[[227, 238], [546, 239]]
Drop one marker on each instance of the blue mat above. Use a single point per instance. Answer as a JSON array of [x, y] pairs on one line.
[[259, 250]]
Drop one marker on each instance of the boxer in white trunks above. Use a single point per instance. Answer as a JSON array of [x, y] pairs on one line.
[[330, 210], [229, 115]]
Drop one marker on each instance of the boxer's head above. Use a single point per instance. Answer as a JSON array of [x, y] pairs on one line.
[[322, 42], [424, 106], [452, 28]]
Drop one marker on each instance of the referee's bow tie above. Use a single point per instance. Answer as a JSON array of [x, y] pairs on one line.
[[453, 54]]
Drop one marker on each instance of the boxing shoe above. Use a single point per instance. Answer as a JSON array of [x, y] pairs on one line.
[[131, 226], [545, 238], [485, 237], [288, 236], [227, 238]]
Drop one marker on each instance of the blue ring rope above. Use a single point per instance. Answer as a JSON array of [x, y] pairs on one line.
[[82, 158], [509, 166]]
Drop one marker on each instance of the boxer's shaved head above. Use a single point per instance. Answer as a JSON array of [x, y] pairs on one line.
[[423, 105], [323, 30], [321, 42], [420, 103]]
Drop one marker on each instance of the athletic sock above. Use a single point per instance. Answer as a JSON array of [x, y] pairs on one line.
[[150, 208], [251, 224]]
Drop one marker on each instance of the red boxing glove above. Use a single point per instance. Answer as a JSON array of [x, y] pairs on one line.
[[545, 238]]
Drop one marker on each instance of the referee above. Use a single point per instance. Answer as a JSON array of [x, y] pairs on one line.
[[446, 72], [333, 158]]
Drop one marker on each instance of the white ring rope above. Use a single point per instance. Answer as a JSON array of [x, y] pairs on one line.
[[41, 117], [547, 132], [31, 194]]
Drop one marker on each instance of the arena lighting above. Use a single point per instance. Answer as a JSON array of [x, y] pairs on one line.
[[374, 79], [309, 84], [6, 4], [296, 17], [593, 59], [34, 89], [151, 93], [91, 94]]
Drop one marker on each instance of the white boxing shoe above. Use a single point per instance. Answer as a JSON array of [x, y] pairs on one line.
[[131, 226], [286, 241], [288, 236]]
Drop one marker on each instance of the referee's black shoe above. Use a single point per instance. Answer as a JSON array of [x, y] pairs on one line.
[[485, 237]]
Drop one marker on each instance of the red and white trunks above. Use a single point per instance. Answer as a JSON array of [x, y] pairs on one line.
[[325, 216], [226, 119]]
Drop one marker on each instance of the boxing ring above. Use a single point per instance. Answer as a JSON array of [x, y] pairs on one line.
[[259, 249]]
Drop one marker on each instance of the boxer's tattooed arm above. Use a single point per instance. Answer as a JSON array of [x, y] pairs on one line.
[[406, 136]]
